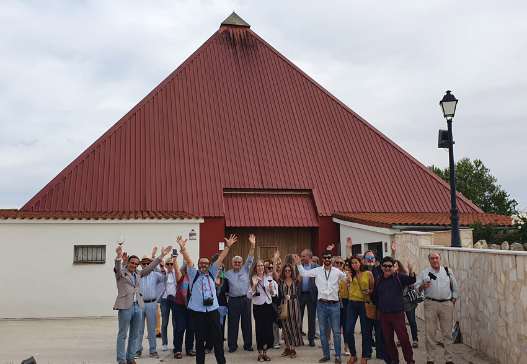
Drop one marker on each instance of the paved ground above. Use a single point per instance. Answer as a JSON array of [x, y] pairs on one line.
[[90, 341]]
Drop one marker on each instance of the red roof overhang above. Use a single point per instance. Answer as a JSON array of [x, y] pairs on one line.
[[389, 219], [269, 210], [114, 215]]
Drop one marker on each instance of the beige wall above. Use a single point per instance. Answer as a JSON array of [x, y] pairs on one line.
[[443, 238], [492, 309]]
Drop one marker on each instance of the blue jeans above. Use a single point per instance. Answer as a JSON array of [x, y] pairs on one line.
[[356, 310], [166, 307], [329, 318], [410, 315], [149, 313], [129, 322]]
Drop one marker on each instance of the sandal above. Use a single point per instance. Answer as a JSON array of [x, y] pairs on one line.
[[265, 357], [292, 354], [178, 356], [352, 360], [260, 357], [286, 352]]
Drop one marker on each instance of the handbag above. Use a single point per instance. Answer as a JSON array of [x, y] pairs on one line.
[[412, 298], [371, 310], [284, 311]]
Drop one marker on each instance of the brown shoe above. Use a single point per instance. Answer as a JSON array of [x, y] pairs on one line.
[[292, 354], [286, 352], [352, 360], [131, 361], [178, 356]]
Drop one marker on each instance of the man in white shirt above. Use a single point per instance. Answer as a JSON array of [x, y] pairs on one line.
[[327, 280], [441, 293]]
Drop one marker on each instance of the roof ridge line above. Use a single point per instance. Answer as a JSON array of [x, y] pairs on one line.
[[118, 124], [348, 109]]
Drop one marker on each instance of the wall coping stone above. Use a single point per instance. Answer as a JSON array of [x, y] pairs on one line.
[[472, 250]]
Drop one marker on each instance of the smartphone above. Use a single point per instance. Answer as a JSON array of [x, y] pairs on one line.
[[174, 252]]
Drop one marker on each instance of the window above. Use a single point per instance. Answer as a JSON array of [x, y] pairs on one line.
[[90, 254], [356, 249]]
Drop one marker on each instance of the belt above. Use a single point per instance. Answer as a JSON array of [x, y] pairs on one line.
[[149, 301], [433, 299], [237, 297], [306, 292], [327, 302]]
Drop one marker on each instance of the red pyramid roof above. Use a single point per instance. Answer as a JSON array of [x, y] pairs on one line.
[[238, 115]]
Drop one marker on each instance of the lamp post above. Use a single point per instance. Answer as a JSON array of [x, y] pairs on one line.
[[448, 105]]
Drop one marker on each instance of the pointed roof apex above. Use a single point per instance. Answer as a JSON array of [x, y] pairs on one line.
[[235, 20]]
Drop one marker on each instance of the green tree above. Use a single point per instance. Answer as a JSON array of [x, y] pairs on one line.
[[475, 182]]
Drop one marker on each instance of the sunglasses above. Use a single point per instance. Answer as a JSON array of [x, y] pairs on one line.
[[339, 263], [387, 265], [270, 267], [169, 263], [327, 257], [369, 258]]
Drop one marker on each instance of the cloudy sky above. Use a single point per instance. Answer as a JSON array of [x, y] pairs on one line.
[[70, 69]]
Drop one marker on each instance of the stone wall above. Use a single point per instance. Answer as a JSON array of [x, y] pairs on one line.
[[492, 309], [444, 238]]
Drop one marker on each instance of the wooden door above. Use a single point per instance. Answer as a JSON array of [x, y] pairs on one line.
[[287, 240]]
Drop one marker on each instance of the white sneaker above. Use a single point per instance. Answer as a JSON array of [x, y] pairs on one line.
[[276, 346], [164, 348]]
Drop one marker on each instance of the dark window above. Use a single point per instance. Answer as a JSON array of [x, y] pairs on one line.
[[91, 254], [356, 249]]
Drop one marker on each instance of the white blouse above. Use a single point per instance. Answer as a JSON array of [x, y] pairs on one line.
[[263, 294]]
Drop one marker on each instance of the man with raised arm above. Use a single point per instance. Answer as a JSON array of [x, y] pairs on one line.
[[239, 305], [129, 301], [327, 280], [203, 301]]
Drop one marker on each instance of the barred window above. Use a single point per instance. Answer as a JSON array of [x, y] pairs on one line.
[[92, 254]]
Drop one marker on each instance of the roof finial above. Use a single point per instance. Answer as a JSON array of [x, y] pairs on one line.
[[235, 20]]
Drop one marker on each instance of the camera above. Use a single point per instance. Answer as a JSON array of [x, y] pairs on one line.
[[174, 252], [256, 294], [209, 301], [432, 276]]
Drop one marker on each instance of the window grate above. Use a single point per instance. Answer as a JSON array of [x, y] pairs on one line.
[[89, 254]]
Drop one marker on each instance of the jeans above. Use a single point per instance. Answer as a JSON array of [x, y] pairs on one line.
[[329, 318], [410, 315], [149, 314], [129, 322], [166, 307], [356, 310]]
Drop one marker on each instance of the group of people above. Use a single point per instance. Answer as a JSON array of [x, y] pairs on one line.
[[202, 300]]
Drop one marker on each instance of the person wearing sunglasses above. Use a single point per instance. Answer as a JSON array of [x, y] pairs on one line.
[[169, 305], [327, 280], [388, 296], [270, 270]]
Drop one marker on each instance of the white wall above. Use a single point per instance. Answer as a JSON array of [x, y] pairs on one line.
[[40, 279], [364, 234]]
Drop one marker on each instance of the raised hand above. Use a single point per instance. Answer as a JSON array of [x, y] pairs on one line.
[[252, 240], [410, 268], [166, 250], [182, 243], [276, 255], [296, 259], [154, 251], [349, 242], [330, 247], [125, 257], [119, 251], [232, 240]]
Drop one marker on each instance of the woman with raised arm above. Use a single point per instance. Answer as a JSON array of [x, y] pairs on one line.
[[263, 288], [292, 322], [359, 288]]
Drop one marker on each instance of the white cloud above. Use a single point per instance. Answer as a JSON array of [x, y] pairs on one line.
[[70, 70]]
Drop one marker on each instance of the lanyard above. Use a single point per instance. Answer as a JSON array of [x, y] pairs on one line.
[[327, 275], [202, 287]]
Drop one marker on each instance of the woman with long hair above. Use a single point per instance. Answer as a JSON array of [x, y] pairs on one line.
[[409, 311], [360, 287], [263, 288], [292, 324]]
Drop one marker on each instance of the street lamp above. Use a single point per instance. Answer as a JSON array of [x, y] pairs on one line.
[[448, 105]]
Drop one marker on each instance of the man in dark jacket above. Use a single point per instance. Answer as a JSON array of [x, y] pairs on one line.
[[388, 296]]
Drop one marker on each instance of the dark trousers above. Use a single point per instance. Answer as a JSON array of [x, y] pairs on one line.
[[189, 334], [356, 310], [394, 322], [306, 299], [374, 327], [263, 324], [239, 308], [205, 324], [410, 315]]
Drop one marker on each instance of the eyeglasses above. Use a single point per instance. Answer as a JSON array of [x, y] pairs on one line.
[[169, 263], [270, 267], [387, 266], [339, 263], [369, 258]]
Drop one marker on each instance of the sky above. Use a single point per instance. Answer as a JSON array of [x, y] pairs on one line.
[[70, 69]]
